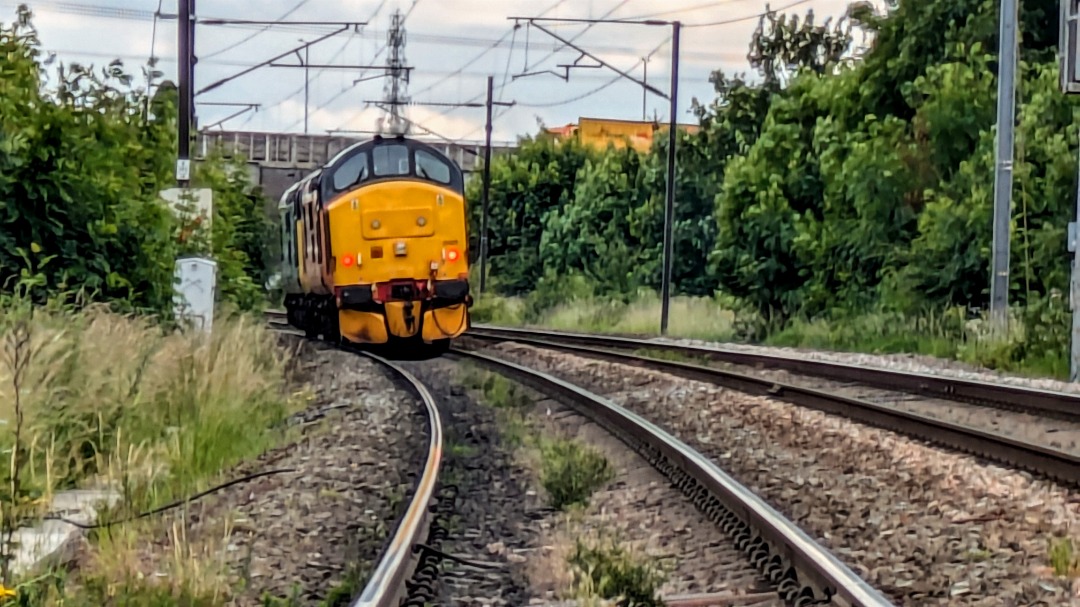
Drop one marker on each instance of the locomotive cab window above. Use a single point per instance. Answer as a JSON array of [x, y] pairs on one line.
[[430, 167], [390, 160], [352, 172]]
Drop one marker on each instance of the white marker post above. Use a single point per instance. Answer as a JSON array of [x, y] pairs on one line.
[[196, 289], [1069, 66], [196, 277]]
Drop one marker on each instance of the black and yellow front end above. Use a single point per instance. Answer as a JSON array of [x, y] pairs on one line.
[[398, 243]]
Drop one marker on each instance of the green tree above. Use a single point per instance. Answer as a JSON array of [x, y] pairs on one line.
[[525, 186], [82, 164]]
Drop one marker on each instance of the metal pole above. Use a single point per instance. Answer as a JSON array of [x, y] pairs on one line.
[[644, 91], [184, 74], [669, 206], [1003, 168], [307, 81], [487, 186], [1074, 283]]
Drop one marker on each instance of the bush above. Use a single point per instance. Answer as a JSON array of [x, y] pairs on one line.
[[571, 472], [610, 572]]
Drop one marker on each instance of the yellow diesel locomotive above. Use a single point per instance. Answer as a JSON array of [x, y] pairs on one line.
[[374, 246]]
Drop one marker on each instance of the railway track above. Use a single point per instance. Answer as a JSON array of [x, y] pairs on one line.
[[802, 571], [840, 389], [400, 577]]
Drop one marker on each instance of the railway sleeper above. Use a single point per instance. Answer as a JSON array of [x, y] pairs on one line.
[[422, 586]]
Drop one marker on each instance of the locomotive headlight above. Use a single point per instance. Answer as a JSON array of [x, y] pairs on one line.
[[421, 221], [399, 248]]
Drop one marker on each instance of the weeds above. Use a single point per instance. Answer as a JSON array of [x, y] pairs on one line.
[[159, 413], [1037, 343], [571, 472], [671, 355], [117, 401], [1063, 558], [18, 352], [610, 572]]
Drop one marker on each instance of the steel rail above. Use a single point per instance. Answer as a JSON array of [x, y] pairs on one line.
[[387, 583], [1033, 400], [788, 543], [1049, 462]]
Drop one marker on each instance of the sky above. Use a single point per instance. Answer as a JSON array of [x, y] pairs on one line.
[[452, 46]]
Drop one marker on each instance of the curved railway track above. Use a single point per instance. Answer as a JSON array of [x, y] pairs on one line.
[[1051, 462], [803, 572], [387, 586]]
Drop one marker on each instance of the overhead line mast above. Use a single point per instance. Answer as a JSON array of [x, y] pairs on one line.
[[673, 98], [397, 84]]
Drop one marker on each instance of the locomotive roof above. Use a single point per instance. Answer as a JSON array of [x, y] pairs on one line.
[[454, 179], [377, 140]]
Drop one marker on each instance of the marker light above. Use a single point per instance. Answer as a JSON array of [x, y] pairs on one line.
[[347, 260], [452, 255]]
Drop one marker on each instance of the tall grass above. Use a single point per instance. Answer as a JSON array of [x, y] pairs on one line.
[[694, 317], [1037, 343], [114, 400]]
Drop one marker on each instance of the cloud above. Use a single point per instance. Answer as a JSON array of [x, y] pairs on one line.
[[442, 37]]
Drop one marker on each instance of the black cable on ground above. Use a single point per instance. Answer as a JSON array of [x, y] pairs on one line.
[[458, 559], [175, 504]]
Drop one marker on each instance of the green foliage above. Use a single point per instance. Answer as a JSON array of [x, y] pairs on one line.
[[160, 421], [571, 472], [525, 187], [609, 571], [842, 182], [95, 591], [597, 232], [1063, 558], [501, 393], [241, 232], [81, 167], [79, 178]]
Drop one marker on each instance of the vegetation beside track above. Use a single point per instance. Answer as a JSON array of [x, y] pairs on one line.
[[570, 472], [96, 385], [839, 199], [1036, 348], [84, 153], [91, 398]]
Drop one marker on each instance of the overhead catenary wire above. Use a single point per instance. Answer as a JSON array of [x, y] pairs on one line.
[[545, 58], [594, 91], [688, 9], [230, 47], [749, 17], [320, 72], [481, 54], [350, 87], [507, 40]]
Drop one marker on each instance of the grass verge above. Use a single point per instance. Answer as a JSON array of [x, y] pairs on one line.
[[92, 398], [1037, 343]]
